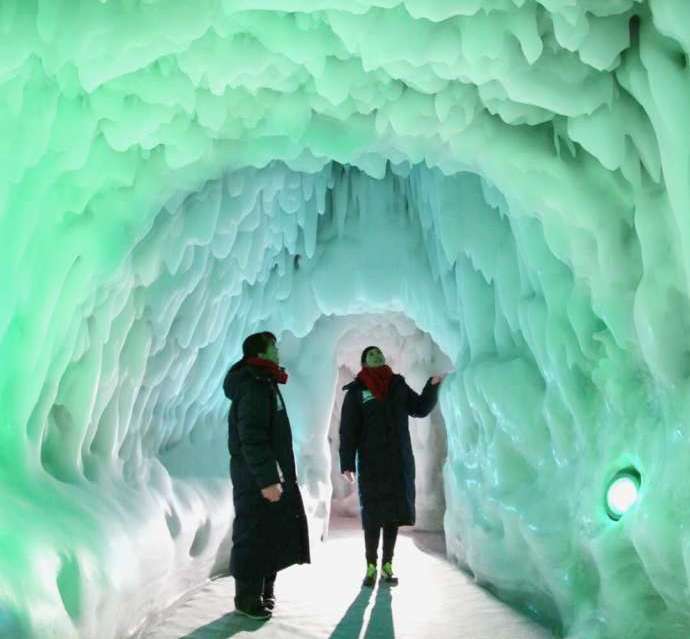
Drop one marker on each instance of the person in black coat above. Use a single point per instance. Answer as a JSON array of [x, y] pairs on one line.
[[269, 532], [375, 438]]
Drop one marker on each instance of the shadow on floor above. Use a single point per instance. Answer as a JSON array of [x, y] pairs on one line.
[[380, 622], [353, 619], [224, 627]]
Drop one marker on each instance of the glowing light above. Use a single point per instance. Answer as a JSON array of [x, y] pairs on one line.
[[622, 492]]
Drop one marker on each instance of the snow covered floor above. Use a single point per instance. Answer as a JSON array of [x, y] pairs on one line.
[[324, 600]]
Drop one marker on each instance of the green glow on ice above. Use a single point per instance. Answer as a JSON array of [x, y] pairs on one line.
[[162, 164]]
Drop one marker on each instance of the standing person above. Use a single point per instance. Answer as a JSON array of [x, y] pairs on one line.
[[269, 532], [374, 433]]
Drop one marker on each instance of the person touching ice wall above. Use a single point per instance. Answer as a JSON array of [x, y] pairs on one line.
[[375, 441]]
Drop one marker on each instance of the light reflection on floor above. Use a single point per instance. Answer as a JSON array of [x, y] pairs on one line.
[[325, 600]]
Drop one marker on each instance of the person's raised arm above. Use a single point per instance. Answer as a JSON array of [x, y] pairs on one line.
[[350, 430], [422, 405]]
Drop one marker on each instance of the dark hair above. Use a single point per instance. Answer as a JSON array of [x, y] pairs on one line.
[[257, 343], [363, 359]]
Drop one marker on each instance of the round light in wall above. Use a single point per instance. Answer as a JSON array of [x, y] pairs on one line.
[[622, 492]]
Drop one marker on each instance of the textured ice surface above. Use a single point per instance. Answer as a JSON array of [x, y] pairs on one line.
[[511, 175]]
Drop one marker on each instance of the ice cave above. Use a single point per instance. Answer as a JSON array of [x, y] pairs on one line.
[[498, 190]]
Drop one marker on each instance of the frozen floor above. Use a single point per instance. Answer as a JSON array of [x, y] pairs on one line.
[[324, 600]]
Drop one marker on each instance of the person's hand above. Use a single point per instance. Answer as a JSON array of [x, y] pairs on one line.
[[272, 493], [437, 379], [349, 476]]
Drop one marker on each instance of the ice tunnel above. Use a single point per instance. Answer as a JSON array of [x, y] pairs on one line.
[[495, 188]]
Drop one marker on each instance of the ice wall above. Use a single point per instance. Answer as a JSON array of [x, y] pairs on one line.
[[532, 160]]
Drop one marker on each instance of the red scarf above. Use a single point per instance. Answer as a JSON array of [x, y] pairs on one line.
[[276, 371], [377, 379]]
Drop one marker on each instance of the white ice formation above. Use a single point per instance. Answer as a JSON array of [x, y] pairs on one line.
[[504, 183]]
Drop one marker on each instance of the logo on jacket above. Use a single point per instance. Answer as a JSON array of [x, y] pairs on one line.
[[366, 396]]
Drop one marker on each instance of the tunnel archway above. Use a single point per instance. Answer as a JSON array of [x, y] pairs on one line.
[[414, 355], [262, 249], [559, 291]]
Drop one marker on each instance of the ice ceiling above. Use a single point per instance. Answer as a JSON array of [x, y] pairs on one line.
[[511, 175]]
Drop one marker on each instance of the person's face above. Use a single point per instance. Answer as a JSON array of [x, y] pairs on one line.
[[374, 358], [272, 353]]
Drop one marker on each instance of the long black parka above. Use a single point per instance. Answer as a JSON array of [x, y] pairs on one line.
[[267, 536], [375, 437]]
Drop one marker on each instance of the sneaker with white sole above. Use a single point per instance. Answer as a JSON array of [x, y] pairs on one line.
[[370, 578], [252, 608], [387, 575], [269, 601]]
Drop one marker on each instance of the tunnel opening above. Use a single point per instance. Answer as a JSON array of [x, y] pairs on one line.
[[414, 355], [261, 249]]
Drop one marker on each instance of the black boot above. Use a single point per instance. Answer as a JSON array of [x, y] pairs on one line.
[[252, 607], [269, 597]]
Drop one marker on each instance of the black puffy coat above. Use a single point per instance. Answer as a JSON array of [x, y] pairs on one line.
[[375, 437], [266, 536]]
